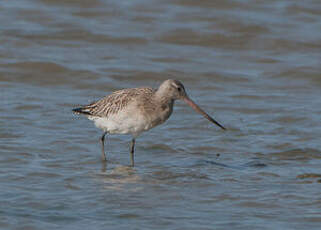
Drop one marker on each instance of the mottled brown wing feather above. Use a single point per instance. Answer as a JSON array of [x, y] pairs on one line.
[[114, 102]]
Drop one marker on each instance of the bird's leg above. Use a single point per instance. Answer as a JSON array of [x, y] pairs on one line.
[[132, 149], [102, 139]]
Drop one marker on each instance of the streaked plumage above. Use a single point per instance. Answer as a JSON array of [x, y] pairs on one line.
[[133, 111], [111, 104]]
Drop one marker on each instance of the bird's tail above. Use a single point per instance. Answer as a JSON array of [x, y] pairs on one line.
[[81, 110]]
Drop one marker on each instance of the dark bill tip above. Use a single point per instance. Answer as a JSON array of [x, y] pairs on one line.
[[200, 111]]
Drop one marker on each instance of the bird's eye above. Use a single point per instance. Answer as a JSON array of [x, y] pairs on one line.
[[179, 89]]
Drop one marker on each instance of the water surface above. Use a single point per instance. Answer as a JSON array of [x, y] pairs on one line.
[[253, 65]]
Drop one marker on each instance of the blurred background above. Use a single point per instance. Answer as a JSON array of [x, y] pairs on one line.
[[255, 66]]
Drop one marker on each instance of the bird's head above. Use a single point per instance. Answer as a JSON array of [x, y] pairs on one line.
[[175, 90]]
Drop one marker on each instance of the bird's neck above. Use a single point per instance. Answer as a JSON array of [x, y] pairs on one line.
[[162, 98]]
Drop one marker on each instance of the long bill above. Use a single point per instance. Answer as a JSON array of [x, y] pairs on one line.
[[200, 111]]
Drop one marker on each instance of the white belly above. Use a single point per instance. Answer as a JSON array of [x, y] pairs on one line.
[[131, 120], [122, 124]]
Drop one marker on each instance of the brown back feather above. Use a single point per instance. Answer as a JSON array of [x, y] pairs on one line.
[[116, 101]]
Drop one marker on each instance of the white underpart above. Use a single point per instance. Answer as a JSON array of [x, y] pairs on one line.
[[124, 122]]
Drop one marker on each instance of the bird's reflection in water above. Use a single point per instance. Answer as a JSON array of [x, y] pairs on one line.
[[103, 166]]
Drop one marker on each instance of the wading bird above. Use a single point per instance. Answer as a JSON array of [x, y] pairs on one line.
[[133, 111]]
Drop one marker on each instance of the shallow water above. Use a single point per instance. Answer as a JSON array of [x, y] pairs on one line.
[[253, 65]]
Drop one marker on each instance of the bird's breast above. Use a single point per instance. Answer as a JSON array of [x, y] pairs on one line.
[[159, 115]]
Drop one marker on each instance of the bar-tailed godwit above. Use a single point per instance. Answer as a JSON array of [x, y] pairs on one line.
[[133, 111]]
